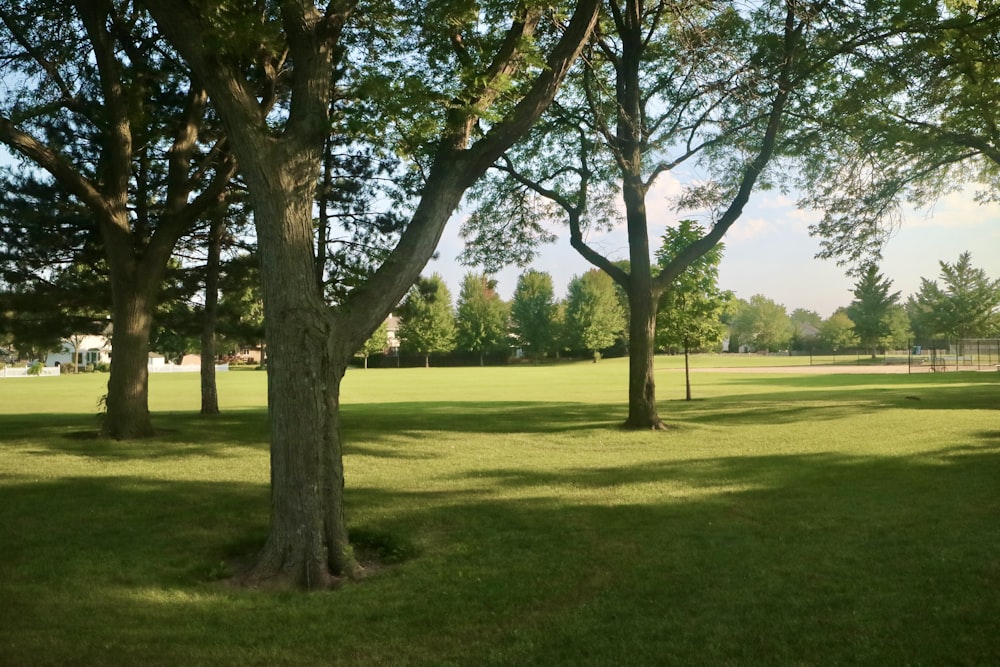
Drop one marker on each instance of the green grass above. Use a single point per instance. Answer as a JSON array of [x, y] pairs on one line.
[[785, 519]]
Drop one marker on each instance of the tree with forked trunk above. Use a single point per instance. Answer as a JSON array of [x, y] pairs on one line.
[[495, 93], [664, 86], [87, 78]]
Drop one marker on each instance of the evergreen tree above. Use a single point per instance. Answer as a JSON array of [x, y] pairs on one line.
[[964, 305], [871, 309]]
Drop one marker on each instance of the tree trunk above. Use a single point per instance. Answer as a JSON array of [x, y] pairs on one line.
[[209, 388], [308, 545], [641, 384], [687, 373], [127, 403]]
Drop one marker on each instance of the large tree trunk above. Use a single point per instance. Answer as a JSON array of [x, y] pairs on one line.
[[127, 403], [209, 388], [641, 384], [308, 544], [311, 345]]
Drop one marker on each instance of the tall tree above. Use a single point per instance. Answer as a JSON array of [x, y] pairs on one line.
[[594, 315], [241, 307], [427, 321], [965, 305], [481, 317], [666, 84], [501, 66], [871, 308], [690, 309], [101, 107], [533, 313], [761, 324]]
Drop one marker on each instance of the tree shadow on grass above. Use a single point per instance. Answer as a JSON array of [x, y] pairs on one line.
[[178, 435], [805, 559], [383, 429], [922, 391]]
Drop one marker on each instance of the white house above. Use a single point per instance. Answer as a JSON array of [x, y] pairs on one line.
[[82, 349]]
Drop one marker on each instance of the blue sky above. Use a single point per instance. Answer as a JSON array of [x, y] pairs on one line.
[[769, 250]]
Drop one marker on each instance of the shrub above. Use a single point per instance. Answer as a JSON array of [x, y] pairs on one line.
[[35, 368]]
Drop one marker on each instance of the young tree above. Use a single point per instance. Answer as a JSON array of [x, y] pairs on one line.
[[377, 343], [481, 317], [533, 313], [871, 308], [426, 320], [594, 316], [464, 85], [761, 324], [965, 305], [107, 114], [690, 308]]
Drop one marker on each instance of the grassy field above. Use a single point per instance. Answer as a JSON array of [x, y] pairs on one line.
[[785, 519]]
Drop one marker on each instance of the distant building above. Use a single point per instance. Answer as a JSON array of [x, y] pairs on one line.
[[82, 349], [392, 331]]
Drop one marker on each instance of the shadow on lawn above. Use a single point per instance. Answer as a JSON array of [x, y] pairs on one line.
[[967, 390], [783, 559], [383, 429]]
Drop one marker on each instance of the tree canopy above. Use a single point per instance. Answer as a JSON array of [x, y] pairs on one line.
[[594, 316], [481, 317], [533, 313], [427, 321], [965, 304]]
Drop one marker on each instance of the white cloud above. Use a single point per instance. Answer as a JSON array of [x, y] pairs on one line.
[[750, 227], [958, 209]]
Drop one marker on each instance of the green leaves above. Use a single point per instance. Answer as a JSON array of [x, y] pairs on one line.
[[966, 303]]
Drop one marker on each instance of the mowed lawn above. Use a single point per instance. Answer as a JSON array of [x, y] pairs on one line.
[[784, 519]]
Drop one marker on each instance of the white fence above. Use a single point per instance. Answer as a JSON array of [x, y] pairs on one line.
[[22, 372], [49, 371], [190, 368]]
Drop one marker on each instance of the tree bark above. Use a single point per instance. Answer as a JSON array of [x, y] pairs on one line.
[[209, 387], [687, 373], [308, 545], [642, 412], [126, 413]]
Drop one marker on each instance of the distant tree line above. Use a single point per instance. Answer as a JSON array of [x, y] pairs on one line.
[[591, 321], [964, 302]]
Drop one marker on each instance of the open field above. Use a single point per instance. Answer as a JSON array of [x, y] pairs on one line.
[[805, 519]]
